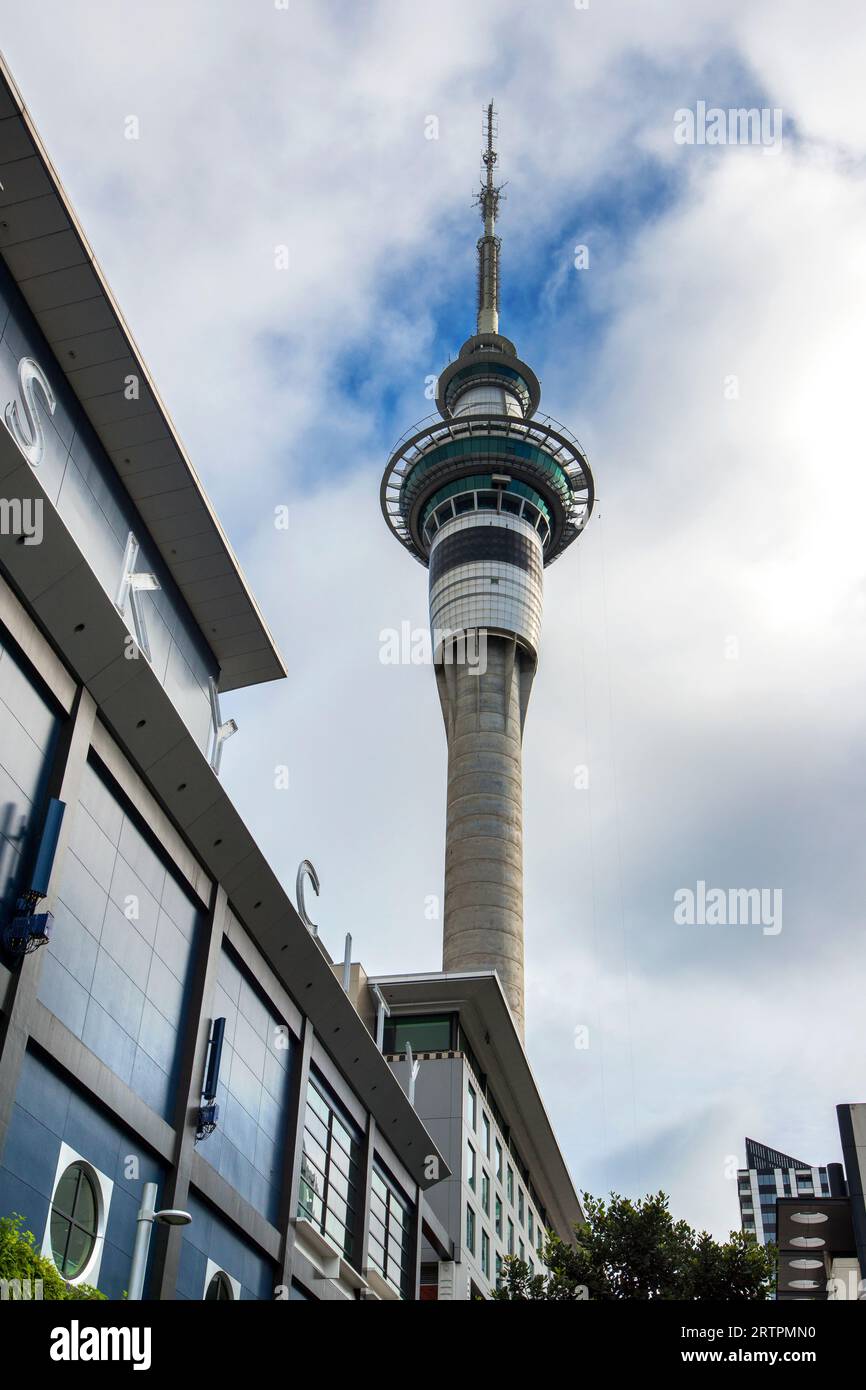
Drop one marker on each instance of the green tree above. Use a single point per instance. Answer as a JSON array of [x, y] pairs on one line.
[[635, 1250], [21, 1266]]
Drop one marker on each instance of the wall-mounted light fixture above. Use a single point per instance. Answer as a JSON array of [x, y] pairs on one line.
[[209, 1111], [29, 929]]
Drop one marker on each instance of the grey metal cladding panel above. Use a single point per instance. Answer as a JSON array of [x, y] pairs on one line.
[[187, 695], [207, 565], [152, 482], [35, 217], [36, 568], [89, 349], [240, 648], [220, 836], [196, 547], [124, 428], [221, 586], [238, 666], [181, 501], [15, 143], [59, 287], [23, 178], [104, 378], [224, 606], [184, 767], [243, 624], [135, 458], [110, 404], [24, 701], [80, 507], [241, 677], [73, 320], [43, 254], [8, 105], [96, 848]]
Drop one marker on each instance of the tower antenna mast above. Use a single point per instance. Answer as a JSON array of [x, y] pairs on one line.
[[489, 244]]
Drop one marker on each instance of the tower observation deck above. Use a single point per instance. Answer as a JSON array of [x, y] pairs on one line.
[[486, 493]]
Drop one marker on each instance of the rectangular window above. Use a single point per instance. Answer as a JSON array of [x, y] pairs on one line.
[[521, 1211], [485, 1192], [497, 1217], [470, 1166], [521, 1250], [390, 1237], [485, 1254], [530, 1226], [498, 1269], [539, 1238], [471, 1108], [330, 1169], [498, 1160], [470, 1230], [510, 1236], [485, 1134], [426, 1033], [509, 1185]]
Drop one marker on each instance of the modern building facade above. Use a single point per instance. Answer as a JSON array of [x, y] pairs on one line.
[[509, 1184], [822, 1241], [769, 1175], [165, 1014], [485, 495]]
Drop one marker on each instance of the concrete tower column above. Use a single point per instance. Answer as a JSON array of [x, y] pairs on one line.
[[483, 914]]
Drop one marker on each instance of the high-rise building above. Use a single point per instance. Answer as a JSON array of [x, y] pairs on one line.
[[769, 1174], [485, 495]]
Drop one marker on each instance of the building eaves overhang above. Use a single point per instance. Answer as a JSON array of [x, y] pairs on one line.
[[484, 1012], [51, 262]]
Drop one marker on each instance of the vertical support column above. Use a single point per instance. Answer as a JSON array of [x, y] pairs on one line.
[[295, 1144], [416, 1244], [362, 1220], [64, 781], [190, 1075]]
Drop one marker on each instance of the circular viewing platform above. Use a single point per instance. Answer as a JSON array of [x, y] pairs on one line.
[[533, 468]]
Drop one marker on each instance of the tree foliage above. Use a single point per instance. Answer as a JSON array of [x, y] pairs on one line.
[[22, 1266], [635, 1250]]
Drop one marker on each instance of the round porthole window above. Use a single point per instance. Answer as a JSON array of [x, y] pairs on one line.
[[219, 1287], [74, 1221]]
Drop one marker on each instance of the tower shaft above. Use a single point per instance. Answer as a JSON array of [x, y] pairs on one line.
[[484, 713]]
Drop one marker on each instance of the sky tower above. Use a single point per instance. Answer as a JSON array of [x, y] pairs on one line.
[[485, 495]]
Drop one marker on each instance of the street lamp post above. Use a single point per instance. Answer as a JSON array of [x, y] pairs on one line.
[[146, 1217]]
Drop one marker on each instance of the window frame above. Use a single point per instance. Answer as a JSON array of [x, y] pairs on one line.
[[103, 1187], [212, 1270]]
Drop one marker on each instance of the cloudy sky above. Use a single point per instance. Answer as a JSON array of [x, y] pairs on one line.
[[703, 654]]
